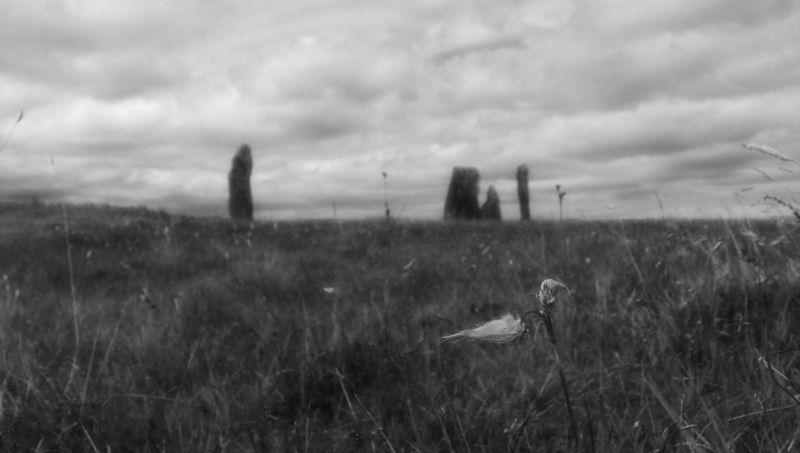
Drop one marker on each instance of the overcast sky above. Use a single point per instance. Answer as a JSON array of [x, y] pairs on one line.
[[622, 102]]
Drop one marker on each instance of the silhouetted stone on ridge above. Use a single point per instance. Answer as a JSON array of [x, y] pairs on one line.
[[240, 200], [522, 192], [462, 195], [491, 207]]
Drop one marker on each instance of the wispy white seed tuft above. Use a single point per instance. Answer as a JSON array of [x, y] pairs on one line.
[[552, 291], [507, 328]]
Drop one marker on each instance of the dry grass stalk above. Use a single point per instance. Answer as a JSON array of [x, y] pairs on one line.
[[770, 151], [11, 132], [794, 209]]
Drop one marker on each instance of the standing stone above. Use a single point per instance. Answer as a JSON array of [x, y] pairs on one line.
[[491, 207], [240, 200], [462, 195], [522, 192]]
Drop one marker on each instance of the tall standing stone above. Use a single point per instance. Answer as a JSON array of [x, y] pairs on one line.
[[462, 195], [522, 192], [491, 207], [240, 200]]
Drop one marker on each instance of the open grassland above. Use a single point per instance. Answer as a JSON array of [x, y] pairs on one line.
[[140, 331]]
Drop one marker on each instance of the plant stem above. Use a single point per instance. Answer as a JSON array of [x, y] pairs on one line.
[[548, 323], [73, 296]]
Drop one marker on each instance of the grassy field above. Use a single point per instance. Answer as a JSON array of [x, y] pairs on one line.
[[134, 330]]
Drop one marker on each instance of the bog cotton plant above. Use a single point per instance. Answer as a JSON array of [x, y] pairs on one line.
[[551, 292], [504, 330], [508, 328]]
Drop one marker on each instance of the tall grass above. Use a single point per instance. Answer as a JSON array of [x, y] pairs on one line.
[[7, 137], [206, 335]]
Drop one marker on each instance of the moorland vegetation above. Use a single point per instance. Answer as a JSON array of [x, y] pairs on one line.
[[136, 330]]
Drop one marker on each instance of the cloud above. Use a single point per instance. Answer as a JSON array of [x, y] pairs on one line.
[[147, 102], [673, 126], [97, 50], [630, 17], [483, 46]]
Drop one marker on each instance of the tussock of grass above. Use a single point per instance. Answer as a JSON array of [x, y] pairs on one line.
[[205, 335]]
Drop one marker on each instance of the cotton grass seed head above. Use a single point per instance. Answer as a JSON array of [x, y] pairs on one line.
[[504, 330], [550, 292]]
